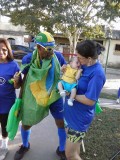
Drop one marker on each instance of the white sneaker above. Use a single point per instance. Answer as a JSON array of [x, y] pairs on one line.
[[118, 101], [3, 153], [70, 102], [63, 93], [4, 143]]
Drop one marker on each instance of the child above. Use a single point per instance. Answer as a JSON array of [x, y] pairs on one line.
[[69, 79], [118, 96]]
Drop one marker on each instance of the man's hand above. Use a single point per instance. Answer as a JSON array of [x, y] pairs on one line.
[[16, 79], [63, 68]]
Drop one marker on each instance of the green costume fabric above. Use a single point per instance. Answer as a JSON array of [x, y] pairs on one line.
[[36, 97], [14, 119], [98, 109]]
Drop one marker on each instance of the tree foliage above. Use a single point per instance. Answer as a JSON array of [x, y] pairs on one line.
[[69, 17]]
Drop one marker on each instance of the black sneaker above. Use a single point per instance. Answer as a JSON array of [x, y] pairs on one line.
[[20, 153], [61, 154]]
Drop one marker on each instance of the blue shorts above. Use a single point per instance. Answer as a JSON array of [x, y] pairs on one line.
[[67, 86], [56, 109]]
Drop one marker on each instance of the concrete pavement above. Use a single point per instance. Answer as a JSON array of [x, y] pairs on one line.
[[112, 81], [111, 87], [109, 103], [43, 142]]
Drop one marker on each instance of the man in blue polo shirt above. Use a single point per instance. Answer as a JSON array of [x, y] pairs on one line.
[[45, 43]]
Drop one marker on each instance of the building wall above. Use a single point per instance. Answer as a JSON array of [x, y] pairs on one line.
[[109, 57], [7, 30], [18, 39], [110, 54]]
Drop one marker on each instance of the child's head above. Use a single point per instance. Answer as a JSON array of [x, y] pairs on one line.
[[74, 63]]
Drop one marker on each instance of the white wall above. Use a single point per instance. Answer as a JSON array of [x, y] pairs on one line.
[[110, 50], [5, 25], [18, 39]]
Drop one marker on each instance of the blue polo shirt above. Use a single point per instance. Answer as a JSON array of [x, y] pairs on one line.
[[7, 90], [26, 59], [90, 84]]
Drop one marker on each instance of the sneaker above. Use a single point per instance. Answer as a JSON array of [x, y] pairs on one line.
[[3, 153], [4, 143], [70, 102], [61, 154], [20, 153], [63, 93], [118, 101]]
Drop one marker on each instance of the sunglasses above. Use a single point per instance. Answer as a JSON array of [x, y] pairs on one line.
[[48, 49]]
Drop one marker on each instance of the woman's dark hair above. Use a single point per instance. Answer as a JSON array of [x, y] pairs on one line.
[[7, 44], [100, 48], [89, 48]]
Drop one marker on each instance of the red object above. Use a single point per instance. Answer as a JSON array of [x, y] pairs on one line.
[[69, 54]]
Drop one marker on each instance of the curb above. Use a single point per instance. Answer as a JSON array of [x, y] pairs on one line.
[[109, 103]]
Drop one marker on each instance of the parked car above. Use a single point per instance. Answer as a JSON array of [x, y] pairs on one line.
[[20, 51]]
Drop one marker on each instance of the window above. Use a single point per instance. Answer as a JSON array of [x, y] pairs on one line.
[[11, 40], [117, 49]]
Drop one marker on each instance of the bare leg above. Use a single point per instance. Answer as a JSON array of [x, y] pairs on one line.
[[72, 151], [60, 87], [73, 93], [72, 96], [59, 123], [26, 127]]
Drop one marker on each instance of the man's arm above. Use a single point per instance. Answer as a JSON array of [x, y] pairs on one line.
[[63, 68], [17, 80], [21, 89], [60, 58]]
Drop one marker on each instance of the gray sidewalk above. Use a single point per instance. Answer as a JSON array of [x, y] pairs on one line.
[[44, 142], [111, 87], [112, 81], [109, 103]]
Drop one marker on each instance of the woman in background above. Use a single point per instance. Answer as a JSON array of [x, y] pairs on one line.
[[8, 69]]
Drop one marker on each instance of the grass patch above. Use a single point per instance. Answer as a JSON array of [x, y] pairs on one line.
[[103, 138], [108, 96]]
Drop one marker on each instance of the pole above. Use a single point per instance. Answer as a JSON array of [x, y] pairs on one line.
[[115, 155], [107, 55]]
